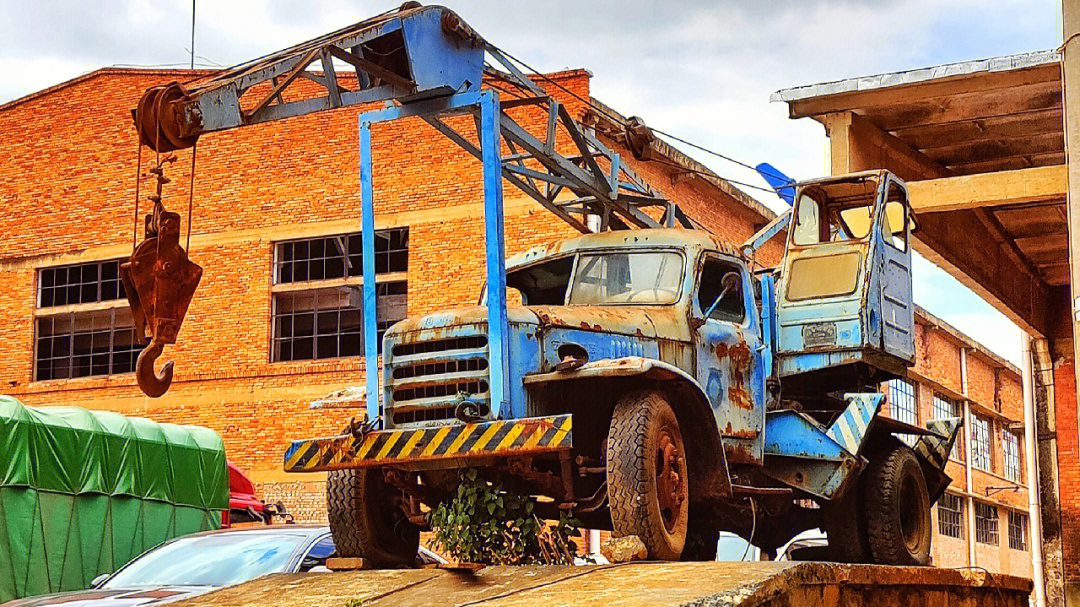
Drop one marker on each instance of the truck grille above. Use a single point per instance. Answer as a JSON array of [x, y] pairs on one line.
[[426, 378]]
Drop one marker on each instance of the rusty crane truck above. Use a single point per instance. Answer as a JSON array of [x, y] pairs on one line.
[[652, 380]]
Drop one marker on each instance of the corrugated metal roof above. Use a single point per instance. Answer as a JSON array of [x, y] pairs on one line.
[[948, 70]]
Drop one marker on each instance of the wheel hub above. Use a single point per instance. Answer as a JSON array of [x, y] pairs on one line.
[[670, 490]]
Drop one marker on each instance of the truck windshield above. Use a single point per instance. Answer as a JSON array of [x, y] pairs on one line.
[[627, 278]]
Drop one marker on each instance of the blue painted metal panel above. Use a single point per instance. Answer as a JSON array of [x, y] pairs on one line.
[[730, 366], [439, 61], [783, 185], [494, 251], [367, 233]]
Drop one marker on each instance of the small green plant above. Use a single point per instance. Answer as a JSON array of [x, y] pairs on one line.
[[483, 523]]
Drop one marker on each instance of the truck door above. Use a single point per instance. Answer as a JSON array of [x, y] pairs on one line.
[[897, 311], [729, 355]]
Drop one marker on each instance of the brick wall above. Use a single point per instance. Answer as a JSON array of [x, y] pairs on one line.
[[67, 183], [993, 391]]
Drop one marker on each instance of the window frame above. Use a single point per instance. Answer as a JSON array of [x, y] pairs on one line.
[[1012, 468], [1018, 531], [696, 290], [945, 527], [982, 439], [912, 393], [279, 288], [681, 281], [115, 306], [989, 533]]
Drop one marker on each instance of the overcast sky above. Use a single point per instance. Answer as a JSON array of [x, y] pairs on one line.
[[700, 69]]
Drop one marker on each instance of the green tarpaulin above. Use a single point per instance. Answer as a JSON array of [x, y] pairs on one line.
[[83, 492]]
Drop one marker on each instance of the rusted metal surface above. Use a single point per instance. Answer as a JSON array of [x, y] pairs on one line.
[[160, 281], [733, 584]]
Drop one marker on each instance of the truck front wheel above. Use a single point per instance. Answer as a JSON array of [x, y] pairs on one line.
[[898, 508], [646, 474], [365, 520]]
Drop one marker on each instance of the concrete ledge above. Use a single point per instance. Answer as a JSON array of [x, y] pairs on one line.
[[633, 584]]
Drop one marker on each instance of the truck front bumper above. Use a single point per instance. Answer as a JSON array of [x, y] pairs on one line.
[[457, 441]]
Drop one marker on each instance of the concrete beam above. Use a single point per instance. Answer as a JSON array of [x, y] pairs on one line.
[[988, 189], [961, 244]]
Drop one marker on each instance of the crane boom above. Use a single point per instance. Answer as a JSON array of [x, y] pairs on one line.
[[421, 61]]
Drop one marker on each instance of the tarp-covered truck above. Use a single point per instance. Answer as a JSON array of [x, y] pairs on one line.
[[83, 492]]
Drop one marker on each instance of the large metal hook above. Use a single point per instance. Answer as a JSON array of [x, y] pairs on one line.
[[152, 383]]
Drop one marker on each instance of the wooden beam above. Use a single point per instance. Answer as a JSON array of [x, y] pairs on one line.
[[988, 189], [981, 129], [855, 144]]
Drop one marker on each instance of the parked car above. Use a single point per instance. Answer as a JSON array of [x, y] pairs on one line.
[[203, 562]]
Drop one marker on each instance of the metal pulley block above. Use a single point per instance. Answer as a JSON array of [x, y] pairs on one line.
[[160, 281]]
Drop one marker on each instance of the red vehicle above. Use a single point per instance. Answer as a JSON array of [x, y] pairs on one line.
[[245, 507]]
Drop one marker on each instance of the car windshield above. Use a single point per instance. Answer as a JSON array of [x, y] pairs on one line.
[[627, 278], [209, 560]]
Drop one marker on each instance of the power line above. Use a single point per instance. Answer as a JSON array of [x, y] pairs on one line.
[[619, 119]]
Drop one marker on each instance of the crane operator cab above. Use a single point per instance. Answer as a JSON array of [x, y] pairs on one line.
[[845, 318]]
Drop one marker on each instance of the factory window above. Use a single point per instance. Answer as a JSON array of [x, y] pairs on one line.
[[986, 523], [1010, 450], [82, 323], [950, 513], [903, 406], [981, 456], [1018, 528], [318, 294], [944, 407]]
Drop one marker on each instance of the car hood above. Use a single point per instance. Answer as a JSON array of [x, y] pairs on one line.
[[113, 597], [664, 322]]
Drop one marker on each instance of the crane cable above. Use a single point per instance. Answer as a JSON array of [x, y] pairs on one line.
[[619, 119]]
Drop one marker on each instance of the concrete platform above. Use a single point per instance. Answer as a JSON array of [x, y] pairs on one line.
[[633, 584]]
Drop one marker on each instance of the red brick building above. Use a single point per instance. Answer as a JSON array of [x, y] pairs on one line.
[[275, 322]]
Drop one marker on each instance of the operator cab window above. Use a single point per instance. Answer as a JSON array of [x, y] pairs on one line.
[[841, 214], [542, 284], [894, 219], [720, 292]]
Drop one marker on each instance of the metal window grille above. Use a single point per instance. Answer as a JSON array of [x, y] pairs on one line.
[[80, 284], [944, 407], [331, 257], [903, 406], [981, 456], [986, 523], [326, 320], [950, 509], [1010, 459], [98, 338], [82, 344], [1018, 528]]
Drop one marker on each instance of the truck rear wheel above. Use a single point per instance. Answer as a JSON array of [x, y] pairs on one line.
[[366, 522], [898, 508], [646, 474]]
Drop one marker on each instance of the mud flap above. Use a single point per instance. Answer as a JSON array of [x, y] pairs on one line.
[[933, 453], [805, 455]]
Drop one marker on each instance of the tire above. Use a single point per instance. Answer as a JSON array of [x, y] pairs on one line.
[[365, 522], [701, 543], [898, 508], [844, 523], [646, 474]]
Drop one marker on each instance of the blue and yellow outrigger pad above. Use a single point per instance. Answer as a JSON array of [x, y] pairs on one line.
[[529, 435]]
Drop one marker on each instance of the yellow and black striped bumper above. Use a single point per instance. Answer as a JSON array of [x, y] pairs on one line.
[[457, 441]]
